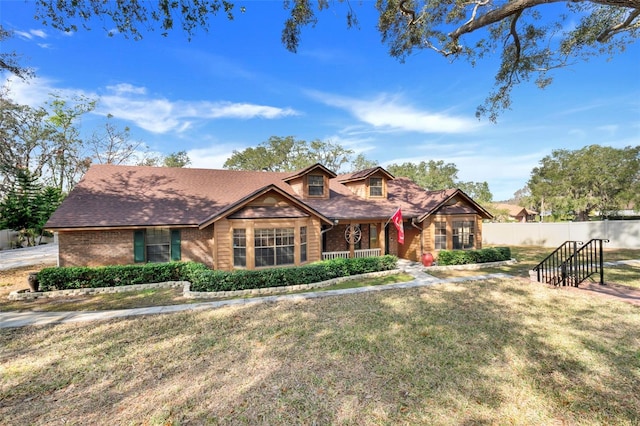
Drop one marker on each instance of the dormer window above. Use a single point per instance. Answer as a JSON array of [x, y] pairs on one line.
[[316, 185], [375, 187]]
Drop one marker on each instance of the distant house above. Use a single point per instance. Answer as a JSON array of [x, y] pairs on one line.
[[516, 213], [231, 219]]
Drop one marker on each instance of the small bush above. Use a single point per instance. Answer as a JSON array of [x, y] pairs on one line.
[[464, 257]]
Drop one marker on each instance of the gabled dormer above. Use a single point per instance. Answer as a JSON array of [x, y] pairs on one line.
[[369, 184], [311, 182]]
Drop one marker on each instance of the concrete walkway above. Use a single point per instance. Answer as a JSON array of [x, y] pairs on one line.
[[21, 319], [28, 256]]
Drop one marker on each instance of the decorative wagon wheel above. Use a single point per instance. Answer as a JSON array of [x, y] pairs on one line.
[[353, 234]]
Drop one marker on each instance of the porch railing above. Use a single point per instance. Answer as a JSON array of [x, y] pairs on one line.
[[328, 255]]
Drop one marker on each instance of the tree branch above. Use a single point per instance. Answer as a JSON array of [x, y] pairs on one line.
[[512, 7], [622, 26]]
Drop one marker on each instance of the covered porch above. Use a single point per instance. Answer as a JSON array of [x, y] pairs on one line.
[[359, 239]]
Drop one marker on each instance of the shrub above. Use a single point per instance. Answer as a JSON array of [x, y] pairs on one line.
[[205, 279], [276, 277], [463, 257], [115, 275]]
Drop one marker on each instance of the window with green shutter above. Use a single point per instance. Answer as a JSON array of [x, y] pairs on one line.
[[156, 245]]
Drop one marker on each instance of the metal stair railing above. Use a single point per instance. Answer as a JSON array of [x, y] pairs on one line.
[[585, 262], [552, 270], [570, 265]]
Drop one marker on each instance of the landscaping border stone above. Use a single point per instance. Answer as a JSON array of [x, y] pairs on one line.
[[186, 289]]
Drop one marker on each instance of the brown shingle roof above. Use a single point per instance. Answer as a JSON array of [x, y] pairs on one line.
[[131, 196], [363, 174], [513, 209], [112, 196]]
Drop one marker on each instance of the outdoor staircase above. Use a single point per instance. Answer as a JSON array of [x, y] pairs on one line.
[[572, 263]]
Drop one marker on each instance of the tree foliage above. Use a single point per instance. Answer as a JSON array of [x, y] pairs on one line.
[[285, 154], [431, 175], [27, 206], [25, 137], [113, 145], [531, 37], [574, 184], [68, 162], [479, 191], [9, 61], [175, 159], [435, 175]]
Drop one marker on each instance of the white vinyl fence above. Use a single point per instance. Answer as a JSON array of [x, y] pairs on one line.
[[9, 239], [620, 233]]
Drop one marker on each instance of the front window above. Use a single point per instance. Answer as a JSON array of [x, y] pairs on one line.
[[274, 247], [239, 248], [463, 235], [316, 185], [158, 245], [375, 187], [440, 235]]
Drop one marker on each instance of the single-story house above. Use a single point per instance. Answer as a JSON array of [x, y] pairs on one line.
[[229, 219], [516, 213]]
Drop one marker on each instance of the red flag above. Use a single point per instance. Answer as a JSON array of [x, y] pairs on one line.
[[397, 221]]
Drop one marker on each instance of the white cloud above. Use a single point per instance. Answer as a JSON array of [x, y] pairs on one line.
[[31, 34], [36, 91], [123, 88], [212, 157], [395, 114], [155, 114], [160, 115], [38, 33], [244, 110]]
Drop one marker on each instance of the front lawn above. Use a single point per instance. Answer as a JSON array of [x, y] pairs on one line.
[[486, 352], [530, 256], [154, 297]]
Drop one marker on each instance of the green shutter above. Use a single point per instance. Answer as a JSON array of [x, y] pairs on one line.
[[175, 244], [138, 246]]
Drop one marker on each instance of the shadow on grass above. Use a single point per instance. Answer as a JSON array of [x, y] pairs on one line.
[[472, 353]]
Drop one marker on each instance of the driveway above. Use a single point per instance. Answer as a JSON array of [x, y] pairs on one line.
[[28, 256]]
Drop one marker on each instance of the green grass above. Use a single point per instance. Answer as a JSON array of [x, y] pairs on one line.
[[528, 257], [156, 297], [623, 275], [491, 352]]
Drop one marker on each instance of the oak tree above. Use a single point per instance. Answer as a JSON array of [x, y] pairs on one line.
[[285, 154], [594, 179]]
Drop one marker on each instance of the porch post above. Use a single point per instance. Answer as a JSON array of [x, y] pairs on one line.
[[382, 239], [352, 245]]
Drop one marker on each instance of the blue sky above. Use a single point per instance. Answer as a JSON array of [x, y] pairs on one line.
[[236, 85]]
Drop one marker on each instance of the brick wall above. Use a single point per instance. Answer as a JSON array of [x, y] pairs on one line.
[[335, 239], [95, 248], [197, 245], [115, 247]]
